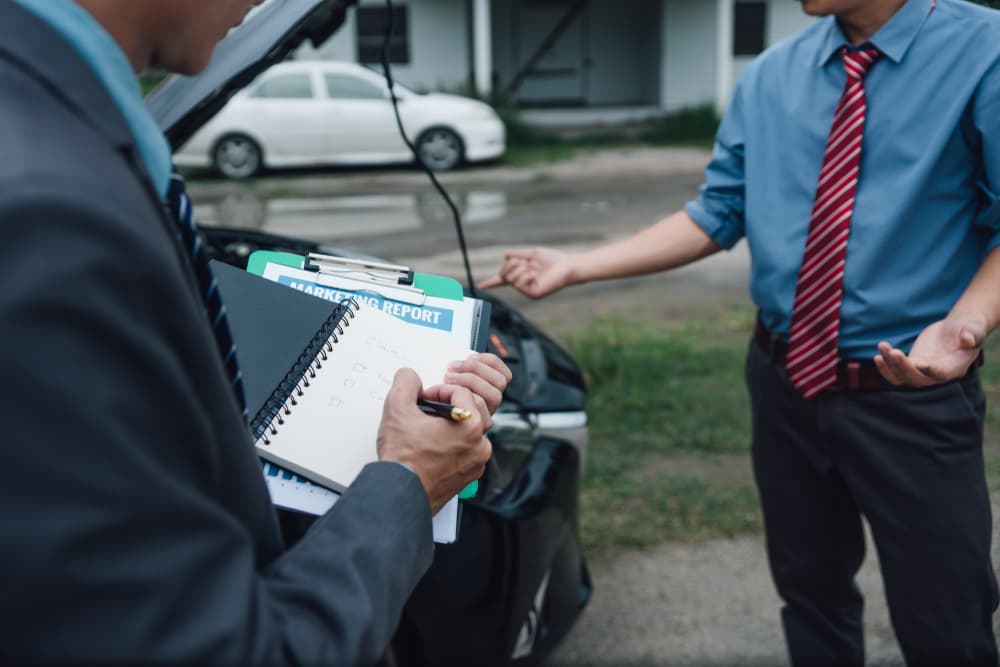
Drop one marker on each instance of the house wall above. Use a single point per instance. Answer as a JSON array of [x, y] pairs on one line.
[[623, 40], [783, 20], [688, 61], [689, 67], [611, 44], [439, 38], [634, 52]]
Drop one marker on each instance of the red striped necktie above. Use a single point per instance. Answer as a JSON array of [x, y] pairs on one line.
[[811, 362]]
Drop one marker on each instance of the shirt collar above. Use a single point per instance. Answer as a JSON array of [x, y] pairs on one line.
[[99, 50], [892, 39]]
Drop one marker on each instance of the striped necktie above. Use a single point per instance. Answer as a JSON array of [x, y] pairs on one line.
[[180, 206], [811, 362]]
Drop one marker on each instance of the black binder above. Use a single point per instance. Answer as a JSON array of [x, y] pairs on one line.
[[278, 333], [283, 338]]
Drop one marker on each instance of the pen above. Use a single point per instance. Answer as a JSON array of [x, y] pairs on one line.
[[446, 410]]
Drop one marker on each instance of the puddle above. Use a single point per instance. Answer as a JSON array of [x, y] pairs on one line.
[[354, 215]]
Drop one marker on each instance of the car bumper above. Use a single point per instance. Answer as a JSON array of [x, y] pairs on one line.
[[515, 581], [484, 140]]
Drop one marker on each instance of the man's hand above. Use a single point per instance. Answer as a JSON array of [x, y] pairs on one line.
[[942, 352], [446, 455], [535, 272], [484, 374]]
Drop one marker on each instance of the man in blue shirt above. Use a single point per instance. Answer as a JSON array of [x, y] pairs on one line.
[[875, 133]]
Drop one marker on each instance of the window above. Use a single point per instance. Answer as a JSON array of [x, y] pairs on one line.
[[371, 24], [285, 87], [347, 87], [749, 19]]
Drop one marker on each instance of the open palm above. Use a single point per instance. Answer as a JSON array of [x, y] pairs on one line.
[[942, 352]]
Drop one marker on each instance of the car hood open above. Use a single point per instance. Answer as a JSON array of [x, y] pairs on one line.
[[181, 105]]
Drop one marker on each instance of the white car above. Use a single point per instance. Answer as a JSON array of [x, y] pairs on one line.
[[305, 113]]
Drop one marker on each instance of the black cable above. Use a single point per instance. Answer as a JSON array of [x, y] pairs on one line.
[[387, 72]]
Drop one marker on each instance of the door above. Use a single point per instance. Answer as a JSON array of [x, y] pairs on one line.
[[286, 114], [558, 76], [362, 124]]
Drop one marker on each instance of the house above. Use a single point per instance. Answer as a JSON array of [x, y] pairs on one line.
[[606, 60]]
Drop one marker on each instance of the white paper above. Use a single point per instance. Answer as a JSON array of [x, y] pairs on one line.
[[294, 492]]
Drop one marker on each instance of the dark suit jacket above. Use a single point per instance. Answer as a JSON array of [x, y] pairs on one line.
[[136, 526]]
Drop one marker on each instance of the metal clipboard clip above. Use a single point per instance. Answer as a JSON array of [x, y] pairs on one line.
[[392, 281]]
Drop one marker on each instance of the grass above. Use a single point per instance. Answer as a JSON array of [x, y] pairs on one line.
[[528, 145], [669, 419]]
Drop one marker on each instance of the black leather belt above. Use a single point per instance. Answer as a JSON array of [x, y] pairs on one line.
[[852, 374]]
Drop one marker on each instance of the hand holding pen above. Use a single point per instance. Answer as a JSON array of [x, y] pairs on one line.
[[445, 455], [446, 410]]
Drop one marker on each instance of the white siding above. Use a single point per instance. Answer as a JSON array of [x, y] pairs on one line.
[[642, 52], [439, 44], [689, 60], [688, 69]]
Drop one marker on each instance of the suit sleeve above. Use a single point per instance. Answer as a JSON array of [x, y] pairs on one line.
[[120, 543]]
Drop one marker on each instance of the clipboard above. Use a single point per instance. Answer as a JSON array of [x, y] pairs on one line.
[[396, 286], [280, 334]]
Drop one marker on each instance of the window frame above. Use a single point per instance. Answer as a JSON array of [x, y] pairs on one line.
[[256, 93], [749, 27], [369, 40], [381, 93]]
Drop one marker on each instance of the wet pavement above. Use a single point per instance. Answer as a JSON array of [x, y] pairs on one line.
[[397, 214]]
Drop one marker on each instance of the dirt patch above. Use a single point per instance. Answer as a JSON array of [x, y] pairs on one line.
[[722, 471]]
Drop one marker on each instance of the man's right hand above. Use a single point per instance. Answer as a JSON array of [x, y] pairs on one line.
[[535, 272], [446, 455]]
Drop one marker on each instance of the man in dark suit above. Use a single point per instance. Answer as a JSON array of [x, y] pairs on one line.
[[137, 527]]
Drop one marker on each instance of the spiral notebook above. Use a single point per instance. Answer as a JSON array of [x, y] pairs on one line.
[[316, 373]]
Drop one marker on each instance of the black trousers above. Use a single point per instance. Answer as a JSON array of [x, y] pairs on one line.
[[911, 462]]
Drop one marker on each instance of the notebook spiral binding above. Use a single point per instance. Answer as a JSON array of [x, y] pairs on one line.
[[284, 398]]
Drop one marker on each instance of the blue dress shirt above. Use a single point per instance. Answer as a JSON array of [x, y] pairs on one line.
[[113, 69], [927, 208]]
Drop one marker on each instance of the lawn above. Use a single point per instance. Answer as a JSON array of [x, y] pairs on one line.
[[669, 419], [529, 145]]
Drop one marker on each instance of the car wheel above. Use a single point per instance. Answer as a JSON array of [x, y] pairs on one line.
[[237, 157], [440, 149]]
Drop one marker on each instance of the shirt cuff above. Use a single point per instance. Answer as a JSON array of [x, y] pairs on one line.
[[724, 234]]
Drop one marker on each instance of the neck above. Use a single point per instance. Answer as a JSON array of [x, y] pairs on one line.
[[125, 25], [862, 21]]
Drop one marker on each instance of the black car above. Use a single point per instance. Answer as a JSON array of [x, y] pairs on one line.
[[513, 584]]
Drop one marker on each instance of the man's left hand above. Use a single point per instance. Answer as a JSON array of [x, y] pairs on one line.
[[942, 352], [484, 374]]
